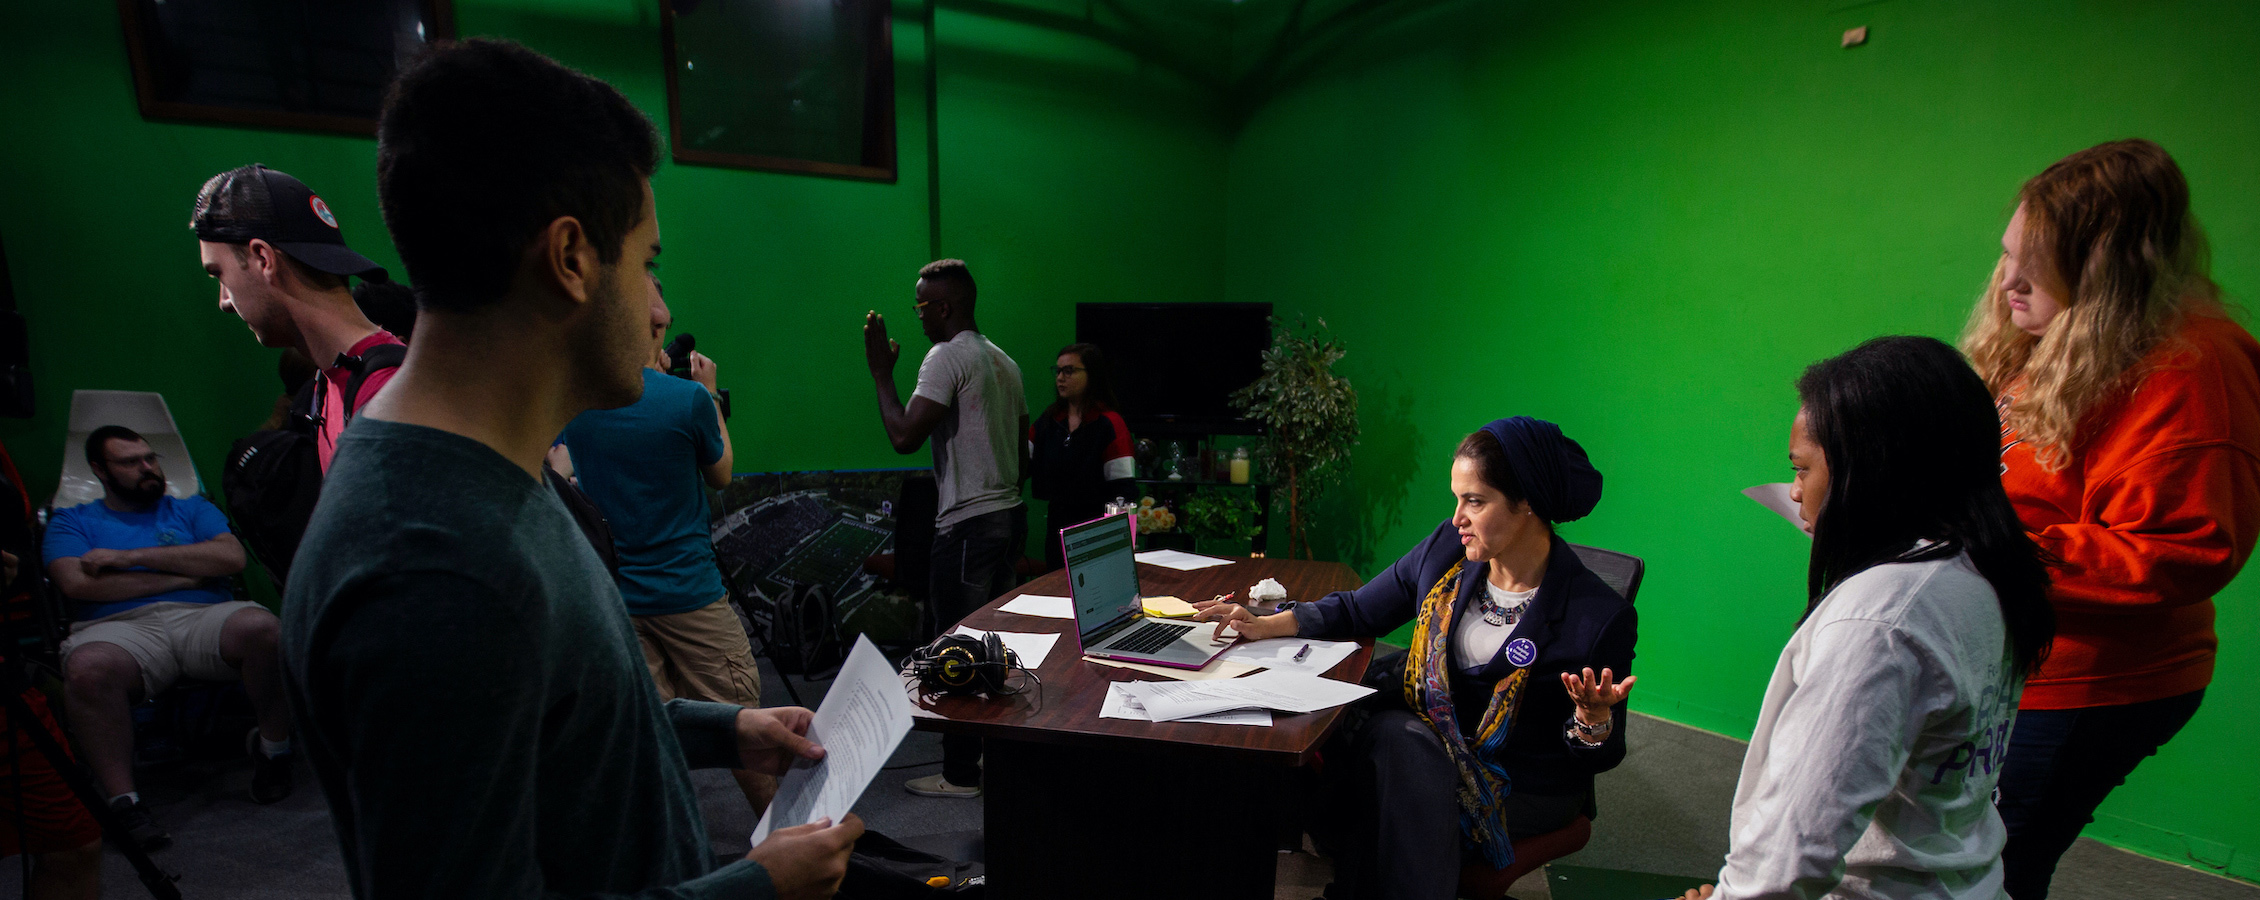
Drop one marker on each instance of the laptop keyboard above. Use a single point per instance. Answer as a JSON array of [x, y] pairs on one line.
[[1149, 637]]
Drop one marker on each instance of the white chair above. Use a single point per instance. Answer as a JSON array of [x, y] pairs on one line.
[[142, 411]]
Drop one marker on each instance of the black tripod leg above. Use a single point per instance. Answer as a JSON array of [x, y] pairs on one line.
[[20, 717]]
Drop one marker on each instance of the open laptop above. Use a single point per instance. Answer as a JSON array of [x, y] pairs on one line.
[[1110, 619]]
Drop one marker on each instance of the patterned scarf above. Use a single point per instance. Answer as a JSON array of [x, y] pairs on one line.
[[1483, 782]]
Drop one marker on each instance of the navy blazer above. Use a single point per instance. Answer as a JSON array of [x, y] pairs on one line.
[[1576, 620]]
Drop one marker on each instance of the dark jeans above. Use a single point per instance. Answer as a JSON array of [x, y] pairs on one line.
[[972, 566], [2061, 764], [1396, 799]]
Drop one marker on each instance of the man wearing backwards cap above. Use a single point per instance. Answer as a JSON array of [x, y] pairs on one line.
[[282, 265]]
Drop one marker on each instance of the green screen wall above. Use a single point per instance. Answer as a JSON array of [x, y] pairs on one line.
[[1071, 170], [1642, 220]]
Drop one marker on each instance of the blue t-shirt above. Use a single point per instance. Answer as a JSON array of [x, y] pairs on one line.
[[640, 464], [89, 526]]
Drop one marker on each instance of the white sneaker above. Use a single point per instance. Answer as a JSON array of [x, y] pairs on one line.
[[937, 786]]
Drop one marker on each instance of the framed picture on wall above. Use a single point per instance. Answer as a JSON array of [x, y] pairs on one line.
[[307, 66], [806, 86]]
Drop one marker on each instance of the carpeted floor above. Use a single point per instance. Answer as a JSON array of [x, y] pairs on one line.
[[1664, 812]]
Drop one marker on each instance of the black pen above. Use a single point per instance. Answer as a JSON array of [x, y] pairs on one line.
[[1300, 654]]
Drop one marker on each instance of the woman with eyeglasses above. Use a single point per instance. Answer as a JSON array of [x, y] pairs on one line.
[[2130, 443], [1082, 446]]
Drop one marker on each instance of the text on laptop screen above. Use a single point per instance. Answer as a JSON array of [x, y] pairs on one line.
[[1103, 572]]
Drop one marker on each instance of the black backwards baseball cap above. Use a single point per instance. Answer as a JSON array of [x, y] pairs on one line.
[[256, 202]]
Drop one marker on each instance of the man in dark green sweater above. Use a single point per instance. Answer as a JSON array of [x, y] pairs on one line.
[[472, 695]]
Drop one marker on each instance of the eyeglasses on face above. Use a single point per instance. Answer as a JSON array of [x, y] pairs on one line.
[[1063, 371]]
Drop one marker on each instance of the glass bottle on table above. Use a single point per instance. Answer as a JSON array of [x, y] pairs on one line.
[[1240, 465]]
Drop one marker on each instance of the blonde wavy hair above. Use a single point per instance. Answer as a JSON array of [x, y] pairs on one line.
[[2110, 227]]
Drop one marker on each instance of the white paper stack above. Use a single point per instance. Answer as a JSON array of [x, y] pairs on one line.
[[1121, 704], [1180, 560], [1170, 701], [1040, 605], [1278, 654]]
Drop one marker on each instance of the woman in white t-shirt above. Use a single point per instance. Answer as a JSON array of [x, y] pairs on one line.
[[1873, 767]]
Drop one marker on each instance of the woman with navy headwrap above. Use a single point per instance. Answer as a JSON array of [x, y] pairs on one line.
[[1468, 744]]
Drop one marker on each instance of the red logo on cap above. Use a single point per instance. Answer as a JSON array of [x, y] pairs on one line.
[[323, 210]]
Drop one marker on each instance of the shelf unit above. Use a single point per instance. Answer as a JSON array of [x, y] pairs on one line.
[[1172, 494]]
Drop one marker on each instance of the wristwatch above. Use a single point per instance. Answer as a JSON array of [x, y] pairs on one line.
[[1589, 735]]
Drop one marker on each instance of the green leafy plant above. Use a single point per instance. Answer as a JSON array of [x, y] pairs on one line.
[[1311, 415], [1220, 514]]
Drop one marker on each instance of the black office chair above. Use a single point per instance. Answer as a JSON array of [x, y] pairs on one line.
[[1620, 571]]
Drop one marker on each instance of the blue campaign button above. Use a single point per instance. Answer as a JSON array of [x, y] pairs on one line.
[[1521, 652]]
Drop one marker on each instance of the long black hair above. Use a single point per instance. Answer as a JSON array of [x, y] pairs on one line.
[[1913, 444], [1098, 380]]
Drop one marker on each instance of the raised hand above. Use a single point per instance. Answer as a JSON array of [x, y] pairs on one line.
[[1596, 694], [879, 352], [702, 371]]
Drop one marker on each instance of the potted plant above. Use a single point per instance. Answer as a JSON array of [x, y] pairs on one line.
[[1311, 415], [1221, 515]]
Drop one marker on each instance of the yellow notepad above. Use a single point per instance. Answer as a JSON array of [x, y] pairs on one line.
[[1168, 607]]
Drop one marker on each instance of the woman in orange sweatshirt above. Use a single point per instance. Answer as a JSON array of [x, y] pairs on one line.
[[2130, 445]]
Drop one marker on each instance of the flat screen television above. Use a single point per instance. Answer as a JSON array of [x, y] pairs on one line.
[[1177, 364]]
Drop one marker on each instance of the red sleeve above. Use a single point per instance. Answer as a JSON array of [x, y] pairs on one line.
[[1119, 448], [2170, 507], [2171, 529]]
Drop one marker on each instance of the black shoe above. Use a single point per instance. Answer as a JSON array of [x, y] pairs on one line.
[[270, 775], [139, 827]]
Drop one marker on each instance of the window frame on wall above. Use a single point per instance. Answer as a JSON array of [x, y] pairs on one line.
[[440, 13], [878, 110]]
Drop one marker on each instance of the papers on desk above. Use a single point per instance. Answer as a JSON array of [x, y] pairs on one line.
[[1776, 497], [863, 717], [1171, 701], [1120, 703], [1216, 668], [1032, 648], [1278, 654], [1041, 605], [1181, 560]]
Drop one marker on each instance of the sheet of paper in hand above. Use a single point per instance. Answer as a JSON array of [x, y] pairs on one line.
[[861, 721], [1775, 497]]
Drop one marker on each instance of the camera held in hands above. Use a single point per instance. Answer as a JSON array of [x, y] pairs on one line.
[[679, 365]]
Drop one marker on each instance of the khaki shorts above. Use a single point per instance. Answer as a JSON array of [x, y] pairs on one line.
[[168, 640], [700, 655]]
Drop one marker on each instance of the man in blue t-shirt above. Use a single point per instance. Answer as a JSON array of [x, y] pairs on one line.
[[648, 466], [147, 577]]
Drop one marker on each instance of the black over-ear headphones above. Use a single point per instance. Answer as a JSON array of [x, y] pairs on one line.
[[963, 664]]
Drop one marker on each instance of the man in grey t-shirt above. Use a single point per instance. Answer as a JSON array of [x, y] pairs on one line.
[[969, 399]]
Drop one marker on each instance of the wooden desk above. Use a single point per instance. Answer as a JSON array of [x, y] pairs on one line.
[[1080, 806]]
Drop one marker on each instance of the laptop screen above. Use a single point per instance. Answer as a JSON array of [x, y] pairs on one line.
[[1102, 573]]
